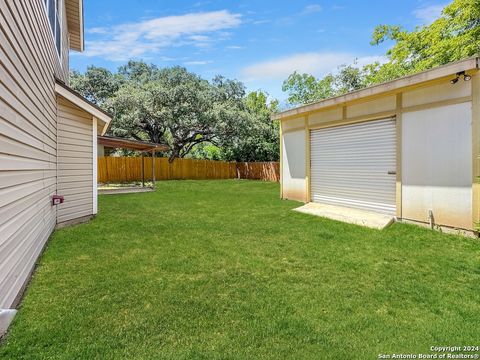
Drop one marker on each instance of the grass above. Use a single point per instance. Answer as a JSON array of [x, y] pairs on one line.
[[225, 270]]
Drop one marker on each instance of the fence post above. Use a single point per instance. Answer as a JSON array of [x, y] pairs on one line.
[[153, 169]]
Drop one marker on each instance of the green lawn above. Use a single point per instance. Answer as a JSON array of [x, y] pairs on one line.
[[225, 270]]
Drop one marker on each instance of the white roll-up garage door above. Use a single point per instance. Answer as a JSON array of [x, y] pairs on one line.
[[354, 165]]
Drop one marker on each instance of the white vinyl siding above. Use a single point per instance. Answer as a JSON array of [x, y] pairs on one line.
[[28, 149], [350, 165], [75, 161]]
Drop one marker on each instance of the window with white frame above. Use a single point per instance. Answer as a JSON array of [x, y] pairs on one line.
[[54, 12]]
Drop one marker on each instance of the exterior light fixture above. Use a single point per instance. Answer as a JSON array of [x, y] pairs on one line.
[[466, 77]]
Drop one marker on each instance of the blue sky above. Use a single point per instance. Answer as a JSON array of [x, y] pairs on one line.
[[257, 42]]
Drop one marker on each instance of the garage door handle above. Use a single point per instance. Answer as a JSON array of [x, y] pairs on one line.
[[392, 172]]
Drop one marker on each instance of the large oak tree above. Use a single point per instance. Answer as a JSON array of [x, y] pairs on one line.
[[176, 107]]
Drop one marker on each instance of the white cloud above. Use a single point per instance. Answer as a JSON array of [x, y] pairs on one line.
[[197, 62], [96, 30], [122, 42], [310, 9], [429, 14], [199, 38], [165, 58], [365, 60], [200, 41], [260, 22], [235, 47], [317, 64]]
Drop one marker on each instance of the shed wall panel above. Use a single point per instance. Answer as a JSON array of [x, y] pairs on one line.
[[293, 166], [434, 93], [293, 124], [371, 107], [437, 165], [325, 116]]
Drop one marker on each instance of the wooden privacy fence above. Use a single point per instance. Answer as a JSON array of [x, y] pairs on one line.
[[129, 169], [267, 171]]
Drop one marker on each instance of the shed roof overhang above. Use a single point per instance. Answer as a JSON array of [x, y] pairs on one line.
[[116, 142], [390, 87], [74, 10], [103, 118]]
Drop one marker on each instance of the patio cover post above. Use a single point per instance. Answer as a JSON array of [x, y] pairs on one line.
[[153, 168], [143, 172]]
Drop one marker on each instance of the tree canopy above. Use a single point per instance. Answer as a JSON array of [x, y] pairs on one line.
[[97, 84], [193, 116], [257, 138], [455, 35], [259, 135], [305, 88]]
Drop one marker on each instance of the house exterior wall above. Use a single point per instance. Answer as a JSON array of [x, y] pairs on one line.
[[476, 149], [75, 162], [413, 103], [28, 147]]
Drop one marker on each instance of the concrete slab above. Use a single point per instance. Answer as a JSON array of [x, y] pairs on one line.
[[123, 190], [352, 216]]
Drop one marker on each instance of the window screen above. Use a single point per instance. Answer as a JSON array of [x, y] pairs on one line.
[[54, 12], [51, 14], [58, 37]]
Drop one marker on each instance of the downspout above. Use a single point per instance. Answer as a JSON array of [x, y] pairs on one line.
[[6, 317]]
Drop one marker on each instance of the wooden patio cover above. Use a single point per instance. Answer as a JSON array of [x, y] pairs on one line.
[[143, 146], [120, 143]]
